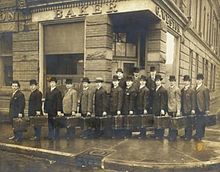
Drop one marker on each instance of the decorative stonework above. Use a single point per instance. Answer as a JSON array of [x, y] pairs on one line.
[[97, 55]]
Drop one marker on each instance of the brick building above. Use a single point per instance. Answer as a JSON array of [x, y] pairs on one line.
[[75, 38]]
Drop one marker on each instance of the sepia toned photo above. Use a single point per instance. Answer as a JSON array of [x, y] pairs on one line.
[[109, 86]]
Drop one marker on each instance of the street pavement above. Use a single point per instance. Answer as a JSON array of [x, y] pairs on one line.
[[111, 154]]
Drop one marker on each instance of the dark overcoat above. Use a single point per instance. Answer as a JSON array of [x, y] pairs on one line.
[[116, 100], [100, 101], [35, 103], [160, 100], [202, 99], [151, 85], [53, 102], [143, 99], [86, 101], [17, 104], [129, 103], [187, 100]]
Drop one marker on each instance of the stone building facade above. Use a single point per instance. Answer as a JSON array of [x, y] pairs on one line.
[[76, 38]]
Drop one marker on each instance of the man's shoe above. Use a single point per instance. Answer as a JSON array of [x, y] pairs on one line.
[[11, 138]]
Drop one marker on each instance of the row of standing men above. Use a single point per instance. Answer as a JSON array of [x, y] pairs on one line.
[[131, 95]]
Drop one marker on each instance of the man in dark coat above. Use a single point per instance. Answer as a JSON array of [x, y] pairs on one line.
[[121, 78], [142, 102], [86, 98], [136, 80], [159, 106], [129, 103], [100, 99], [16, 108], [116, 100], [151, 85], [187, 104], [35, 106], [202, 106], [86, 104], [53, 107], [116, 97], [100, 103]]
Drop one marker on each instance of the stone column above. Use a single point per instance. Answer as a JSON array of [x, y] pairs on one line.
[[2, 72], [156, 47], [98, 45]]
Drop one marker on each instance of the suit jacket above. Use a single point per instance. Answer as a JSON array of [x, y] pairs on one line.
[[174, 99], [70, 101], [122, 83], [187, 100], [142, 99], [159, 101], [35, 103], [17, 104], [116, 99], [202, 99], [136, 84], [100, 101], [151, 85], [53, 102], [129, 103], [86, 101]]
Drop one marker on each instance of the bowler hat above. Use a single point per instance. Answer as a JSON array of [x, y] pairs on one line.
[[119, 70], [115, 78], [99, 79], [33, 82], [172, 78], [186, 78], [143, 78], [136, 70], [158, 77], [152, 69], [200, 76], [129, 78], [53, 79], [69, 81], [85, 79]]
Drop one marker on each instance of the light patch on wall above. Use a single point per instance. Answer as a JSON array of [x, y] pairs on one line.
[[170, 48]]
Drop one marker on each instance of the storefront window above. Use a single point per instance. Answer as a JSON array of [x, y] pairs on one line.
[[125, 51], [6, 71], [64, 51]]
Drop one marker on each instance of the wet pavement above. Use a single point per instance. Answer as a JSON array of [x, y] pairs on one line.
[[111, 154]]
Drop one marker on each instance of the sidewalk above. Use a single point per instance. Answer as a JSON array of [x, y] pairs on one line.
[[125, 154]]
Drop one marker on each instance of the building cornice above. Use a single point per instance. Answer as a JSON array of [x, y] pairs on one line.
[[67, 4]]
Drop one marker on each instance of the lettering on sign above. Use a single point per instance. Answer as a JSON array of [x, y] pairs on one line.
[[167, 19], [83, 10], [6, 16]]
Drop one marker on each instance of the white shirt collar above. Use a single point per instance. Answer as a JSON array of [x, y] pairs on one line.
[[14, 92], [198, 86], [52, 88], [158, 87], [85, 88], [186, 87], [142, 86]]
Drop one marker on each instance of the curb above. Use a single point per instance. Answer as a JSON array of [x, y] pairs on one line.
[[111, 164], [66, 158]]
